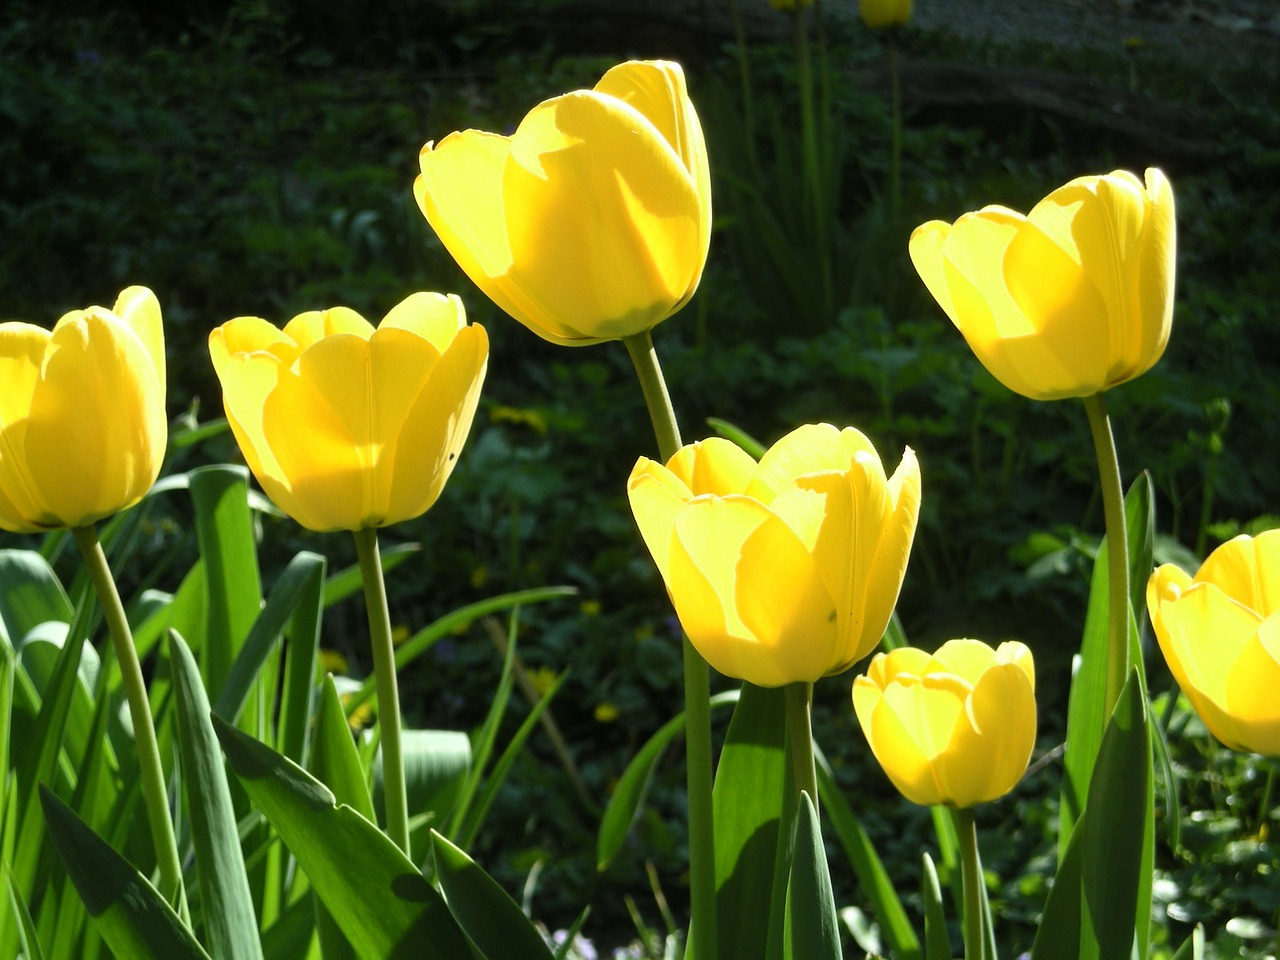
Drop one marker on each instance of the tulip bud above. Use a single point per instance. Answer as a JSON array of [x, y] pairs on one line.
[[878, 14]]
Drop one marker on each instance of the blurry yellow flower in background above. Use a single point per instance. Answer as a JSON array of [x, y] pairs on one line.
[[591, 222], [956, 727], [878, 14], [784, 570], [542, 679], [790, 4], [1220, 634], [1069, 300], [346, 426], [82, 420], [606, 712]]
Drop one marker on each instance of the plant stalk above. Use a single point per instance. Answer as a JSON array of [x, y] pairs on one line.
[[151, 770], [971, 867], [697, 688], [394, 798], [1104, 446], [800, 733]]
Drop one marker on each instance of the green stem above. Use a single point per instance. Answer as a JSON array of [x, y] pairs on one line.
[[697, 688], [971, 867], [150, 768], [394, 798], [800, 731], [1104, 445], [895, 155]]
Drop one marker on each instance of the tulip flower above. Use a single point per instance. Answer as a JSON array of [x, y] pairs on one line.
[[1220, 634], [878, 14], [786, 5], [785, 570], [954, 727], [82, 420], [345, 426], [1069, 300], [591, 221]]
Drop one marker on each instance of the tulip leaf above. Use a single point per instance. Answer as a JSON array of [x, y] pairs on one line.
[[30, 594], [812, 930], [488, 916], [1193, 947], [873, 879], [736, 434], [297, 692], [629, 794], [133, 918], [386, 908], [230, 922], [937, 945], [350, 580], [747, 823]]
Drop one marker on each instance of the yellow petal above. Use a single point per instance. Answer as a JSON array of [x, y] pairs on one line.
[[1012, 651], [902, 728], [925, 247], [712, 466], [434, 317], [139, 310], [888, 567], [656, 496], [811, 448], [1251, 701], [992, 739], [894, 746], [886, 667], [22, 347], [308, 329], [1155, 271], [968, 659], [1246, 569]]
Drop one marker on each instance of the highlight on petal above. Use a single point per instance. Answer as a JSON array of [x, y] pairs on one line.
[[715, 465]]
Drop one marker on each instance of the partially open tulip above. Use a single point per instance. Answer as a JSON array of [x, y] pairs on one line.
[[954, 727], [82, 419], [591, 221], [1220, 634], [1069, 300], [878, 14], [346, 426], [784, 570]]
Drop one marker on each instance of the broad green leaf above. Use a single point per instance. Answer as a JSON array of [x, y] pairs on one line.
[[937, 945], [230, 922], [383, 904], [134, 919], [629, 794], [303, 634], [38, 656], [30, 594], [488, 916], [752, 778], [812, 924], [436, 763], [873, 879]]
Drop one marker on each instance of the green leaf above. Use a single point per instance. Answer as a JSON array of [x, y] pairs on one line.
[[629, 794], [134, 919], [1193, 947], [752, 777], [937, 945], [230, 922], [303, 633], [873, 879], [812, 924], [27, 935], [436, 763], [487, 915], [30, 594], [383, 904], [346, 582], [737, 435]]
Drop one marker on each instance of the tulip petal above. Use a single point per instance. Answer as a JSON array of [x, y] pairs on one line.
[[433, 317], [925, 247], [308, 329], [1245, 569], [1155, 270], [656, 496], [1251, 703], [22, 347], [713, 466], [888, 567], [811, 448], [992, 739], [896, 740], [139, 309]]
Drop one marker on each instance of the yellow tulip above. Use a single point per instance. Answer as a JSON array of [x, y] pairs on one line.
[[1220, 634], [785, 5], [877, 14], [345, 426], [82, 419], [954, 727], [1068, 301], [589, 223], [784, 570]]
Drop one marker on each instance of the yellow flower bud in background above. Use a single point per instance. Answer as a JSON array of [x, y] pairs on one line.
[[1068, 301], [878, 14], [786, 5], [784, 570], [82, 419], [346, 426], [954, 727], [591, 222], [1220, 634]]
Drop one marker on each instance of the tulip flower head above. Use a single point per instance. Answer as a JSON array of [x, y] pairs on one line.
[[1069, 300], [1220, 634], [82, 419], [954, 727], [345, 426], [878, 14], [784, 570], [589, 223]]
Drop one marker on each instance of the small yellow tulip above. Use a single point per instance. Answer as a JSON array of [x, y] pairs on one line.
[[1068, 301], [786, 5], [784, 570], [954, 727], [1220, 634], [878, 14], [345, 426], [589, 223], [82, 420]]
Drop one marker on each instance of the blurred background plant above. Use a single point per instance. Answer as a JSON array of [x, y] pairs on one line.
[[256, 157]]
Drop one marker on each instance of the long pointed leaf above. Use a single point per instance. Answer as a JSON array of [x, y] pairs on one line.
[[812, 924]]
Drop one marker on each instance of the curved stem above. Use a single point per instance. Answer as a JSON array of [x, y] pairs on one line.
[[1104, 445], [697, 688], [799, 698], [150, 768], [394, 799], [971, 868]]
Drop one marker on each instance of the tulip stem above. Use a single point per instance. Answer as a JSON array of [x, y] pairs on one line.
[[971, 867], [800, 732], [697, 688], [1104, 445], [394, 798], [151, 770]]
